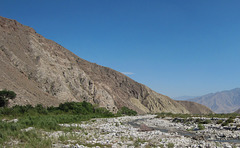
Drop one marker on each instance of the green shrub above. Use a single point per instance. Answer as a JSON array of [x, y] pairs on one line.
[[40, 109], [219, 121], [230, 120], [126, 111], [199, 120], [47, 119], [104, 112], [77, 107], [201, 127], [206, 121], [170, 145], [5, 95], [70, 108], [225, 123]]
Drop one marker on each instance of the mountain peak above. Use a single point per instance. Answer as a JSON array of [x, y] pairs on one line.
[[12, 25]]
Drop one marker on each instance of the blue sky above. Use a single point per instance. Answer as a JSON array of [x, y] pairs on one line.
[[175, 47]]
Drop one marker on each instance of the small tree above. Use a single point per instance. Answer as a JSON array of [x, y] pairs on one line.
[[5, 95]]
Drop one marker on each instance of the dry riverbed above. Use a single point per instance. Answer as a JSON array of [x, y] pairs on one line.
[[142, 131]]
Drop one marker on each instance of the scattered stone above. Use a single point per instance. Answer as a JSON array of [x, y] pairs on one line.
[[148, 131], [27, 129]]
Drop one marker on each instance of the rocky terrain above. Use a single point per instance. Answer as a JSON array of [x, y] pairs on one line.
[[141, 131], [221, 102], [238, 111], [41, 71], [145, 131]]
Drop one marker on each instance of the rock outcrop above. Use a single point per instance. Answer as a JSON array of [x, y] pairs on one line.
[[41, 71]]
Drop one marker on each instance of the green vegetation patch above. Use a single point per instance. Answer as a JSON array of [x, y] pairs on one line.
[[46, 119], [126, 111], [170, 145], [201, 127]]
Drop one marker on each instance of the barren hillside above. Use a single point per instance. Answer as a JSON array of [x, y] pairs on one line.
[[41, 71]]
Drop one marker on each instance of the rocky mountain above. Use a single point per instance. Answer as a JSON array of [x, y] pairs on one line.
[[221, 102], [238, 111], [195, 108], [41, 71]]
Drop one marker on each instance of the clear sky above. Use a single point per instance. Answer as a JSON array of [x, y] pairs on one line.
[[175, 47]]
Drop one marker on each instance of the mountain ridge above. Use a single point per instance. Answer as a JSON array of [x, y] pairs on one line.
[[195, 108], [41, 71], [237, 111], [226, 101]]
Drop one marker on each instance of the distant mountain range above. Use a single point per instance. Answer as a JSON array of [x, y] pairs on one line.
[[227, 101]]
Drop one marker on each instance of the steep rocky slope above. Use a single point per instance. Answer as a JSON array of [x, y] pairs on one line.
[[41, 71], [238, 111], [195, 108], [221, 102]]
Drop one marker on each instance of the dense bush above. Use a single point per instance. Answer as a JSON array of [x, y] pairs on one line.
[[77, 107], [224, 124], [50, 117], [219, 121], [201, 127], [104, 112], [68, 108], [229, 120], [206, 121], [126, 111], [170, 145], [203, 121]]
